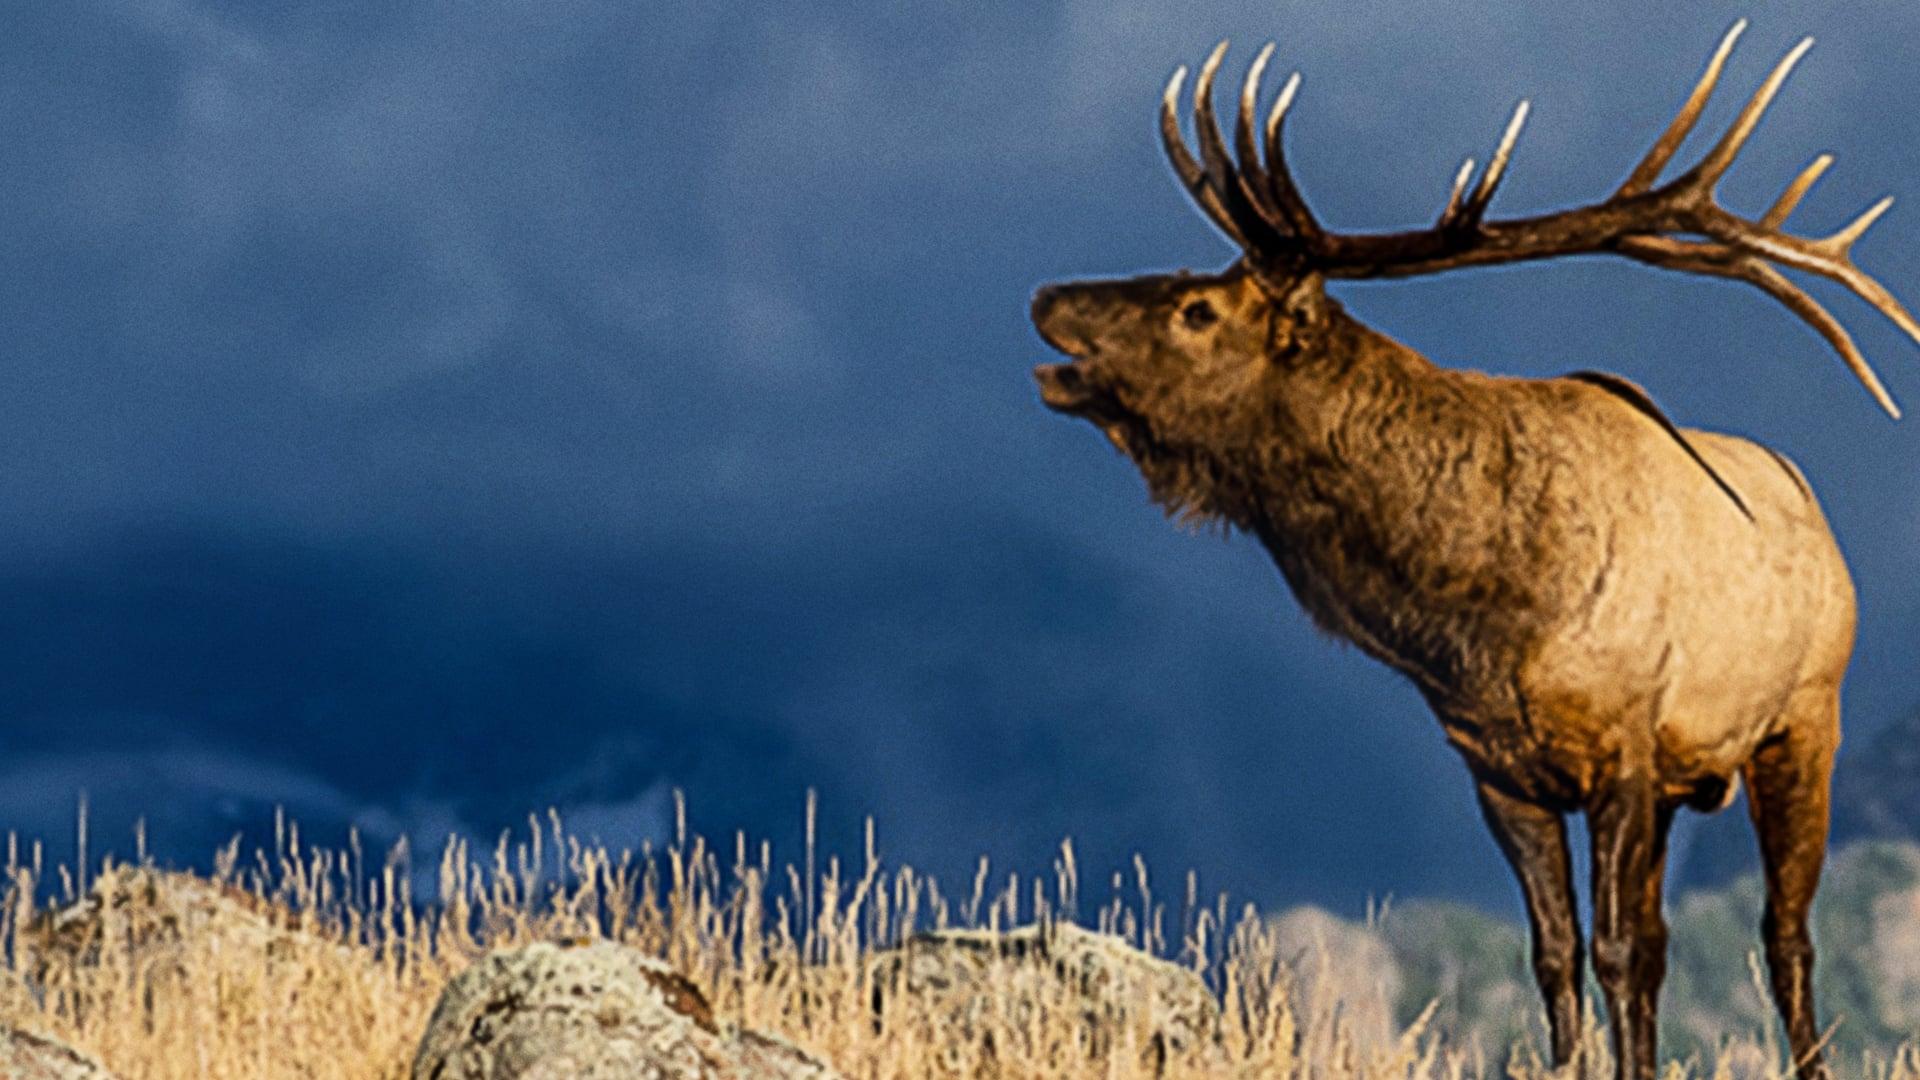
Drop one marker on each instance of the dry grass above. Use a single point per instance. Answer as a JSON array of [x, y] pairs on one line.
[[337, 975]]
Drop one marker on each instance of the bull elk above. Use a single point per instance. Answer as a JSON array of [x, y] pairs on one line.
[[1607, 613]]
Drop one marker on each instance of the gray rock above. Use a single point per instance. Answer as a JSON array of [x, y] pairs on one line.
[[167, 918], [983, 982], [26, 1056], [596, 1011]]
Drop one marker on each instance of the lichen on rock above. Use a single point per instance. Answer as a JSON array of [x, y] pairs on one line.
[[28, 1056], [592, 1011]]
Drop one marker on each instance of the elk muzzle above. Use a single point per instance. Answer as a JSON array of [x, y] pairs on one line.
[[1060, 317]]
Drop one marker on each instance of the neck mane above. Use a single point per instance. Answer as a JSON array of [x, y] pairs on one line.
[[1371, 494]]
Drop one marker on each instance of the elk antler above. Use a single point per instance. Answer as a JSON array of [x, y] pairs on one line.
[[1679, 225]]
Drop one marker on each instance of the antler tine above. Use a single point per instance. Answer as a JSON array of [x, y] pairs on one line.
[[1213, 148], [1723, 262], [1845, 238], [1451, 214], [1830, 257], [1645, 173], [1714, 165], [1782, 207], [1809, 309], [1865, 287], [1192, 176], [1262, 235], [1286, 195], [1246, 144], [1476, 207]]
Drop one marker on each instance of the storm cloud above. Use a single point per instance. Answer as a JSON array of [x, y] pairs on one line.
[[419, 414]]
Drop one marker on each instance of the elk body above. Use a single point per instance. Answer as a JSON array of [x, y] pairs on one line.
[[1608, 614]]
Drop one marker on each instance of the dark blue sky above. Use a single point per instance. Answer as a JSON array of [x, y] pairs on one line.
[[416, 414]]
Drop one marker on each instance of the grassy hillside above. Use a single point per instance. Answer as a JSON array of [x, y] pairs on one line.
[[297, 963], [1866, 928]]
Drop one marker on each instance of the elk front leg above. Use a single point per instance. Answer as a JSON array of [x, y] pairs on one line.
[[1788, 795], [1629, 936], [1534, 840]]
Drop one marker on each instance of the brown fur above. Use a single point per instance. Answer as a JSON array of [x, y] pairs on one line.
[[1607, 614]]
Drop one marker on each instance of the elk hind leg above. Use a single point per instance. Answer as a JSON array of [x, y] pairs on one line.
[[1787, 785]]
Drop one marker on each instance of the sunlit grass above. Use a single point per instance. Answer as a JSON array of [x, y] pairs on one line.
[[330, 968]]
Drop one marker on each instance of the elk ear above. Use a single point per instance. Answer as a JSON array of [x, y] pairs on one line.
[[1304, 302], [1299, 309]]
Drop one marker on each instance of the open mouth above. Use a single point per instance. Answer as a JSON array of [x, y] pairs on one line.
[[1063, 388]]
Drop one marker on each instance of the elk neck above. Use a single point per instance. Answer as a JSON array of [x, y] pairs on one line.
[[1383, 496]]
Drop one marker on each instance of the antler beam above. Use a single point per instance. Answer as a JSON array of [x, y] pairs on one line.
[[1261, 208]]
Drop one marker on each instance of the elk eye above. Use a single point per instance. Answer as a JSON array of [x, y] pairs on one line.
[[1199, 315]]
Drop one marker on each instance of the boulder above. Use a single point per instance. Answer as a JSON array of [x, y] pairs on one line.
[[994, 983], [591, 1011], [26, 1056], [158, 915], [152, 948]]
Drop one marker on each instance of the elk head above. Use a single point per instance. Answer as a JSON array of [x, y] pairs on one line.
[[1184, 371]]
